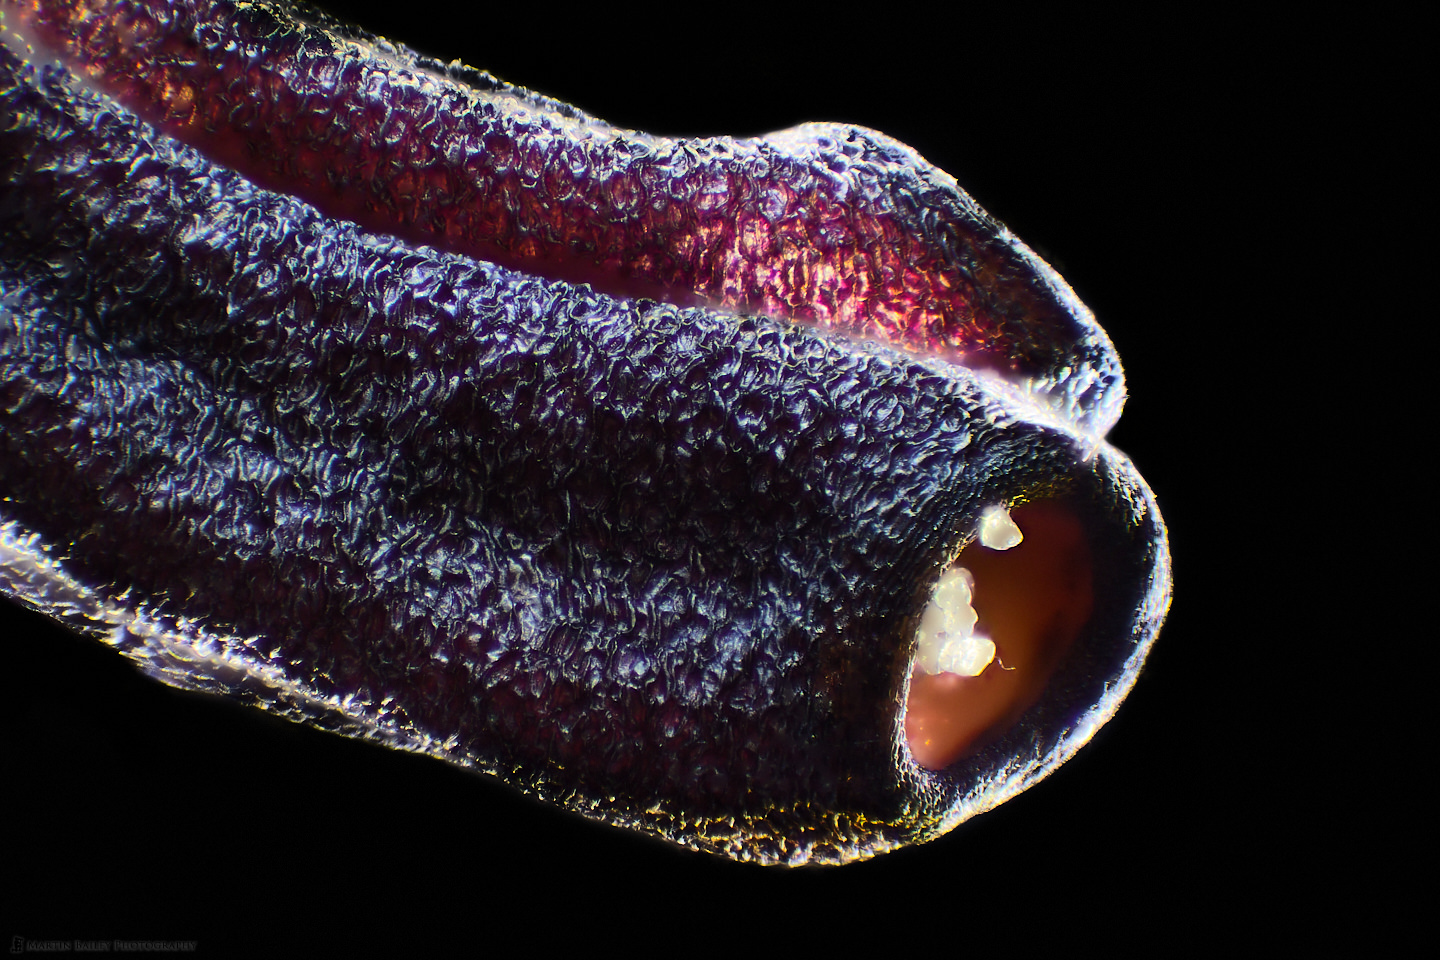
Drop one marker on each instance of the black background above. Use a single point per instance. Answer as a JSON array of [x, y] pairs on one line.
[[1165, 167]]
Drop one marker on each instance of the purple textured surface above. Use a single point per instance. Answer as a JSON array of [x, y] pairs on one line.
[[830, 224], [608, 549]]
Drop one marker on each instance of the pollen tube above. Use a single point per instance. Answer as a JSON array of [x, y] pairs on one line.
[[1031, 601]]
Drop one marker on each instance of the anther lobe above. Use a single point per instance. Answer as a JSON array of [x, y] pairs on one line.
[[827, 224], [662, 564]]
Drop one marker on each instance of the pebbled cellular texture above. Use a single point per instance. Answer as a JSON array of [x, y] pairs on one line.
[[658, 563], [828, 224]]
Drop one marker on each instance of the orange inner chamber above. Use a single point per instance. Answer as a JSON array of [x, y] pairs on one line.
[[1032, 601]]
